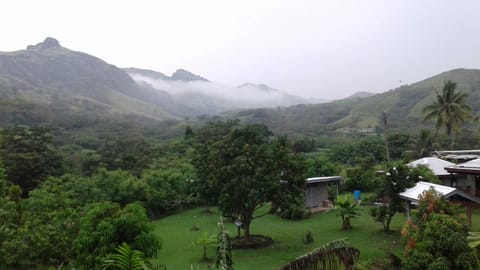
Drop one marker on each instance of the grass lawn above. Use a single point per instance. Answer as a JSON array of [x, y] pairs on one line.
[[178, 253]]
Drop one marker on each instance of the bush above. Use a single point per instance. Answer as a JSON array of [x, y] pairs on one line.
[[308, 238], [105, 226]]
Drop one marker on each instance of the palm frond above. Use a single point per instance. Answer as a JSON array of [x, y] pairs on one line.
[[327, 257]]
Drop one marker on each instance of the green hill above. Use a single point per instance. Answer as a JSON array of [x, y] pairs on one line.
[[363, 115], [66, 82]]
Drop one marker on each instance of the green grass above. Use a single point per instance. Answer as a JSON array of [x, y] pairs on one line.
[[178, 253]]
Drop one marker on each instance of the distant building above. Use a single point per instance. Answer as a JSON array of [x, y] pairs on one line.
[[316, 193], [466, 176]]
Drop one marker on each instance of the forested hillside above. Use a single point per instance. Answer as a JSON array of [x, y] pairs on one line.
[[402, 105]]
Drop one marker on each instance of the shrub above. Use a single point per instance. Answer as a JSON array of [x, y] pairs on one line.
[[308, 238]]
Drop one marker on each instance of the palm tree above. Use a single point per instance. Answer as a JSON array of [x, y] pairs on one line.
[[449, 110], [423, 144]]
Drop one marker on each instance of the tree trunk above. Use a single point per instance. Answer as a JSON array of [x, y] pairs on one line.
[[346, 224], [452, 140], [205, 253], [246, 229], [386, 226]]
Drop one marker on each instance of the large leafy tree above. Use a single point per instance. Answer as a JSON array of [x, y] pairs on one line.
[[240, 168], [210, 145], [449, 110], [28, 156]]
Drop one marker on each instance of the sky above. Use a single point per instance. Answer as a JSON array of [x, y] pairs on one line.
[[311, 48]]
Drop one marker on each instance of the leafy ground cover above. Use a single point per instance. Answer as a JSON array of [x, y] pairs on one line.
[[178, 253]]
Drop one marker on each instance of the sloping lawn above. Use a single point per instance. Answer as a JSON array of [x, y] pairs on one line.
[[178, 253]]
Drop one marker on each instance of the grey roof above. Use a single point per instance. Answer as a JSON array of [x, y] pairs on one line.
[[472, 166], [412, 194], [324, 179], [436, 165]]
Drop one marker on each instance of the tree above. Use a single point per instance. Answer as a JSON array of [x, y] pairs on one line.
[[104, 226], [397, 178], [347, 210], [241, 167], [289, 200], [436, 236], [129, 154], [210, 145], [28, 156], [423, 144], [449, 110], [399, 144], [321, 166], [205, 241]]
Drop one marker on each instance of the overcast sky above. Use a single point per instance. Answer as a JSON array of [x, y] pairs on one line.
[[323, 49]]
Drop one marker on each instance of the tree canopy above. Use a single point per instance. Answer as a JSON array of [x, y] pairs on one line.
[[242, 168]]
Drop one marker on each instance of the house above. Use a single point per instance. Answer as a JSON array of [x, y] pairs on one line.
[[466, 176], [316, 192], [411, 196]]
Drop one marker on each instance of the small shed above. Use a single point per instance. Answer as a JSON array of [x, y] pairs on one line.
[[316, 193], [411, 196]]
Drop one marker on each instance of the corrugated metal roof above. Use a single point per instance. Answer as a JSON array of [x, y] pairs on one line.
[[324, 179], [470, 164], [436, 165], [469, 167], [413, 193]]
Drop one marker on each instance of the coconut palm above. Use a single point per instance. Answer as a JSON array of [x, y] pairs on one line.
[[423, 144], [449, 109]]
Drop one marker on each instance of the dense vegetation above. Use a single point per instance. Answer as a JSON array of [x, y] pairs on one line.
[[85, 169]]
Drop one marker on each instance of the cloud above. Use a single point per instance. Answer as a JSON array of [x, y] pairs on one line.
[[245, 96]]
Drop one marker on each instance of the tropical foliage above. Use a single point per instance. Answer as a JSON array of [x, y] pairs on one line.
[[125, 259], [436, 236], [449, 110], [326, 257], [241, 168], [347, 210], [397, 178], [205, 241]]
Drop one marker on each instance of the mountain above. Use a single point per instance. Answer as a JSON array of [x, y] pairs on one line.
[[361, 94], [194, 95], [358, 114], [186, 76], [70, 82]]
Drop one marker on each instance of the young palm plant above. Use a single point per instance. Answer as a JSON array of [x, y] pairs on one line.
[[206, 241], [347, 210]]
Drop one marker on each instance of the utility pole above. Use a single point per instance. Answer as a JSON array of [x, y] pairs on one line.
[[385, 135]]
